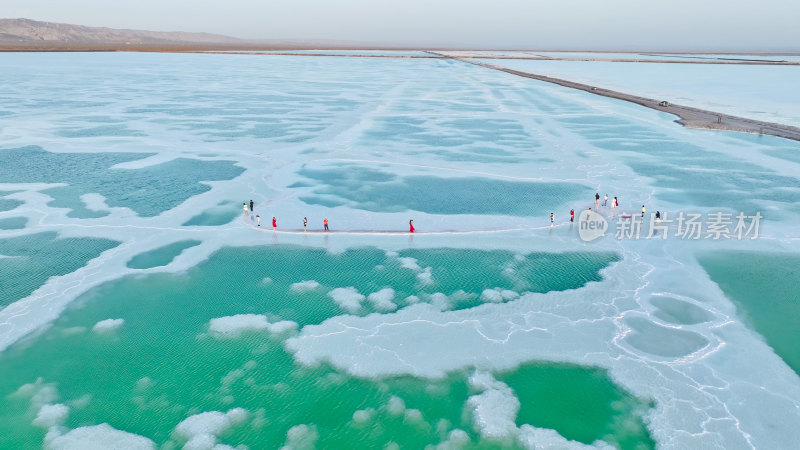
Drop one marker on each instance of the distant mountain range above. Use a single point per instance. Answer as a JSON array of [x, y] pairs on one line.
[[25, 32]]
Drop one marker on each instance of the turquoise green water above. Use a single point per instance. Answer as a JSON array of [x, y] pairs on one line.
[[13, 223], [588, 405], [221, 214], [764, 288], [377, 191], [148, 190], [160, 256], [161, 366], [35, 258], [536, 272]]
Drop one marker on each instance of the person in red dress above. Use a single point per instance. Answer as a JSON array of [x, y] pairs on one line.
[[274, 223], [411, 225]]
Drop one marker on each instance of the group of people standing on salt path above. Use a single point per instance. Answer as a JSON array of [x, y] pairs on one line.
[[614, 205], [248, 212]]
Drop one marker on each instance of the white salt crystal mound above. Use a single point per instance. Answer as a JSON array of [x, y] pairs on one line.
[[304, 286], [440, 301], [494, 411], [412, 299], [498, 295], [234, 326], [39, 393], [210, 423], [363, 415], [237, 415], [456, 439], [283, 326], [201, 442], [533, 438], [396, 406], [108, 325], [96, 437], [491, 295], [50, 415], [413, 416], [409, 263], [382, 300], [301, 437], [348, 298], [425, 277]]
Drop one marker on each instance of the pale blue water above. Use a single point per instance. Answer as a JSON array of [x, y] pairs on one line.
[[220, 214], [69, 197], [148, 191], [160, 256], [29, 260], [8, 204], [383, 192], [13, 223]]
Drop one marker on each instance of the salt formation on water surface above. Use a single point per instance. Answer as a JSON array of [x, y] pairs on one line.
[[201, 430], [304, 286], [233, 326], [50, 415], [301, 437], [96, 437], [348, 298], [108, 325]]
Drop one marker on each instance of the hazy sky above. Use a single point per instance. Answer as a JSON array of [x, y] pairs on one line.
[[537, 24]]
